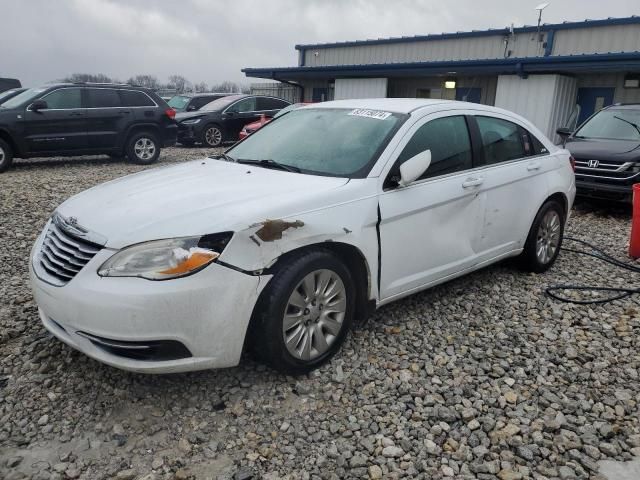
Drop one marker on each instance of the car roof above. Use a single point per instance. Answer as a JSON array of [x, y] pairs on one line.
[[624, 106], [406, 105]]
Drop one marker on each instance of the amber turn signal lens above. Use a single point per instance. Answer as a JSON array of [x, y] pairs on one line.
[[195, 261]]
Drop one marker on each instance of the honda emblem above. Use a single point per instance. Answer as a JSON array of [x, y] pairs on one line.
[[593, 163]]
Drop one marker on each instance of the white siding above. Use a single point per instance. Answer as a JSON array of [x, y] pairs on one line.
[[520, 45], [610, 39], [360, 88], [545, 100], [575, 41]]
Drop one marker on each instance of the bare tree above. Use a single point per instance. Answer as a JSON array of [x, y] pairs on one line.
[[148, 81], [180, 83], [226, 87], [88, 77], [201, 87]]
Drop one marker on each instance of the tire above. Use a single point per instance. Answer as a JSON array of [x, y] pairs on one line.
[[143, 148], [212, 135], [545, 238], [6, 156], [310, 320]]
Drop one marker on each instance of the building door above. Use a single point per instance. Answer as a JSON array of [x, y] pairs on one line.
[[320, 94], [468, 94], [592, 99]]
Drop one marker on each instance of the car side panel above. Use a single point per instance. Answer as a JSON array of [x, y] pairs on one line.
[[353, 222]]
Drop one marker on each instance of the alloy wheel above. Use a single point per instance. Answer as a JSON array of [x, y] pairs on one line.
[[144, 148], [2, 155], [213, 136], [314, 314], [548, 238]]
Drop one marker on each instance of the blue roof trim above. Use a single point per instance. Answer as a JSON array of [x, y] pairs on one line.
[[522, 66], [478, 33]]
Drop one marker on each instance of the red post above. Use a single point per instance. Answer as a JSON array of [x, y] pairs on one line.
[[634, 243]]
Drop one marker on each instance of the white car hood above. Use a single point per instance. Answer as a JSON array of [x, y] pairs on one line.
[[194, 198]]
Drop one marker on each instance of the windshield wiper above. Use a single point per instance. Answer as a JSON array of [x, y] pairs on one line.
[[634, 125], [268, 163], [228, 158]]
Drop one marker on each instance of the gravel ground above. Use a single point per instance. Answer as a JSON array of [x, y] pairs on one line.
[[483, 377]]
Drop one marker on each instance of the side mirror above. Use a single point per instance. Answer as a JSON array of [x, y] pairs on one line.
[[191, 108], [39, 105], [411, 170], [564, 132]]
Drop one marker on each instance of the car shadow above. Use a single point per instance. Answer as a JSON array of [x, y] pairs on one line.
[[602, 208]]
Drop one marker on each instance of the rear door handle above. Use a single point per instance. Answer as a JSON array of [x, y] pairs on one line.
[[76, 114], [534, 166], [472, 182], [125, 112]]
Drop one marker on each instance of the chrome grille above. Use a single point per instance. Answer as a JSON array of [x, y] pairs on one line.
[[62, 255], [606, 169]]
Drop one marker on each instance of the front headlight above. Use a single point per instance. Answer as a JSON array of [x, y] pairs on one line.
[[166, 259], [192, 121]]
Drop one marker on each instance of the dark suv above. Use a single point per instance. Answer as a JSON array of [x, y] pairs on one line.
[[221, 120], [86, 119], [606, 149]]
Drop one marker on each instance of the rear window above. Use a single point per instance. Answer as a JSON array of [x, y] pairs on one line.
[[103, 98], [501, 140], [179, 102], [131, 98]]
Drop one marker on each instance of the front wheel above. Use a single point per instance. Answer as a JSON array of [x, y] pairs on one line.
[[545, 238], [143, 148], [6, 156], [211, 136], [304, 314]]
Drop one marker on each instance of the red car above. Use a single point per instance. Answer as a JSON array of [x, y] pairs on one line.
[[252, 127]]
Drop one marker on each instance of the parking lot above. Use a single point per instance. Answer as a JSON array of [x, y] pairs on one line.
[[481, 377]]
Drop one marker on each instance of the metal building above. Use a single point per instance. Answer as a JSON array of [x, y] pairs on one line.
[[555, 75]]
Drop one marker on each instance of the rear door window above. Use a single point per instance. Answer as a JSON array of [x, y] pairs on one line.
[[64, 99], [501, 140], [449, 142], [131, 98], [266, 103], [244, 105], [103, 98]]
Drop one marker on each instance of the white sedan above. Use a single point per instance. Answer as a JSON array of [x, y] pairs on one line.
[[283, 242]]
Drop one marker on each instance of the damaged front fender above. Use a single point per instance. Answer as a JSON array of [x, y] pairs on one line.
[[261, 244]]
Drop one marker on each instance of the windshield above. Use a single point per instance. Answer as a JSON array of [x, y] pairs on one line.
[[221, 103], [613, 124], [323, 141], [178, 102], [22, 98]]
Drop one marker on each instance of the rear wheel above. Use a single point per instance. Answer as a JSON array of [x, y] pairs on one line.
[[143, 148], [545, 238], [6, 156], [304, 314], [212, 135]]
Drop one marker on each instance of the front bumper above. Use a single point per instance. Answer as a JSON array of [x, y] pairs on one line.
[[207, 313], [188, 133], [604, 190]]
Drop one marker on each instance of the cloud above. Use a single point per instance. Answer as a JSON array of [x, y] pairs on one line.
[[212, 40]]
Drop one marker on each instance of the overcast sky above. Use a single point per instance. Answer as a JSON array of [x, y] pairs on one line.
[[211, 40]]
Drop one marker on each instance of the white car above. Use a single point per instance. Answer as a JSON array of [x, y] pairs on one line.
[[309, 224]]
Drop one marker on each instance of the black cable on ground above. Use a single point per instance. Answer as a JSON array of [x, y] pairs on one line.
[[622, 292]]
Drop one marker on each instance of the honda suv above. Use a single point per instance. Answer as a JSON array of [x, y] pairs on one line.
[[86, 119], [606, 149]]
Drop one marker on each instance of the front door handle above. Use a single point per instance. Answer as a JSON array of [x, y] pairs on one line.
[[472, 182], [534, 166], [76, 114]]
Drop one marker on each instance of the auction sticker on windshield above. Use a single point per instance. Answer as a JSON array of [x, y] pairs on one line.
[[363, 112]]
